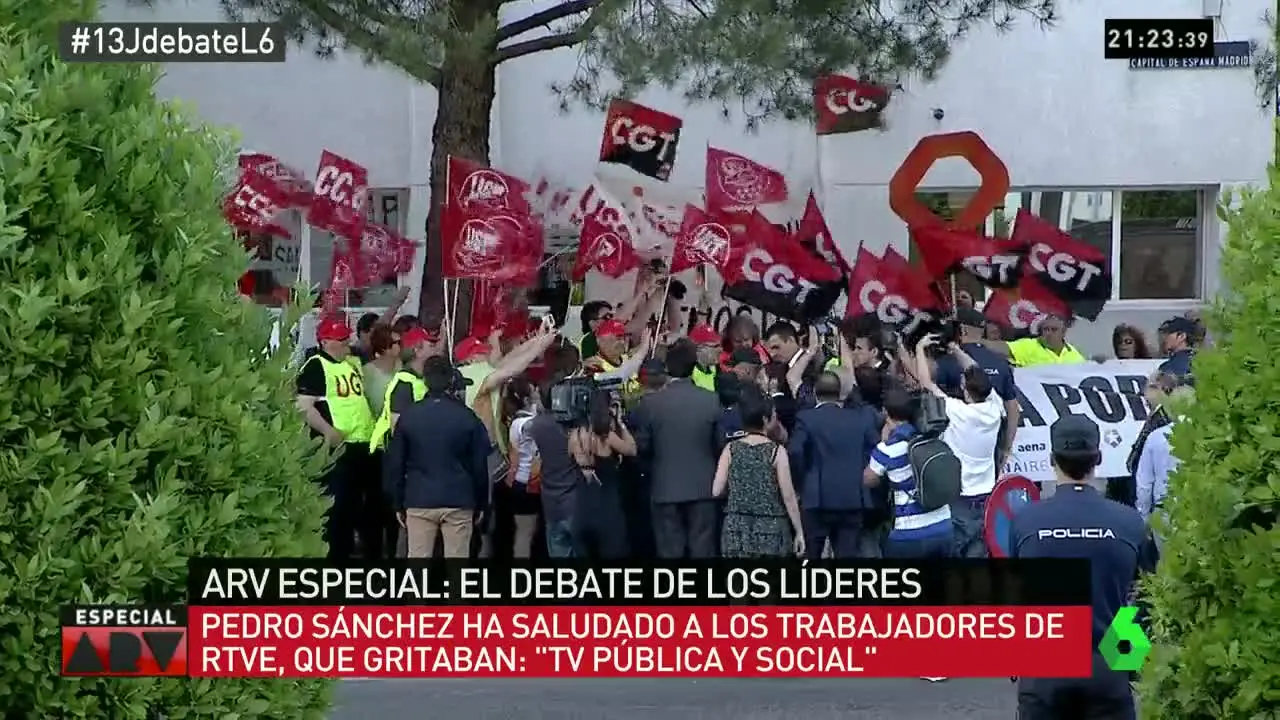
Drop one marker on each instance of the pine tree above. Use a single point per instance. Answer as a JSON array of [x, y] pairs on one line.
[[1215, 599], [758, 55], [140, 423]]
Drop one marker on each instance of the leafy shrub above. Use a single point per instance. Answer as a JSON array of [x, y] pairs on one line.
[[1216, 597], [139, 423]]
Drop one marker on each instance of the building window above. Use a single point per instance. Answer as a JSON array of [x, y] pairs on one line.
[[1159, 241], [386, 207], [1156, 233]]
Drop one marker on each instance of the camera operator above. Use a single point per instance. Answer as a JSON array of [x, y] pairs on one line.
[[598, 442], [970, 324], [973, 434]]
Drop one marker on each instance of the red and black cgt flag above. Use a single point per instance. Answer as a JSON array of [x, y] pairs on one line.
[[641, 138], [1075, 272], [780, 275], [996, 263], [843, 104]]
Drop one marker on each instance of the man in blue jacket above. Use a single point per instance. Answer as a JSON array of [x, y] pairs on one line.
[[436, 471], [1078, 522], [829, 451]]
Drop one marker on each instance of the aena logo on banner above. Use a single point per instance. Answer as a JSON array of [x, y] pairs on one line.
[[775, 277], [997, 269], [875, 298], [339, 186], [641, 138], [1063, 267]]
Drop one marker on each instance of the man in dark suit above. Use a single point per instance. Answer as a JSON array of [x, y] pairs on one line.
[[829, 451], [676, 436], [436, 469]]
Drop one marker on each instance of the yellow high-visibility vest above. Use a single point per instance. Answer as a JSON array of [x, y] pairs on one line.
[[349, 411], [705, 379], [382, 428]]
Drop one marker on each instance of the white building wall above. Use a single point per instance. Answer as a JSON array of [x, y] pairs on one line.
[[1057, 113]]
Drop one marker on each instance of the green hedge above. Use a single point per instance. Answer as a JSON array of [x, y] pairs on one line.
[[1216, 597], [139, 423]]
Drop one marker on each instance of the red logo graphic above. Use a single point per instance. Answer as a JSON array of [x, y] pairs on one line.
[[479, 247], [642, 138], [735, 181], [484, 190], [124, 641]]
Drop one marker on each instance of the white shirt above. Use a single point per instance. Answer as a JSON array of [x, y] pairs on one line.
[[973, 431], [526, 449]]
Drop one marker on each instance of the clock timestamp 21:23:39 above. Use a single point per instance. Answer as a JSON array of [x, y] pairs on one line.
[[1127, 39]]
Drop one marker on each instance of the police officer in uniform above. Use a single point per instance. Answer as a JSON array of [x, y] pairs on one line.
[[1078, 522], [330, 395]]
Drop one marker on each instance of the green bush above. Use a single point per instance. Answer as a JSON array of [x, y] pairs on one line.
[[1216, 597], [140, 424]]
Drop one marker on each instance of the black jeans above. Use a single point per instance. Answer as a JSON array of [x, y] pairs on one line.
[[850, 537], [687, 529]]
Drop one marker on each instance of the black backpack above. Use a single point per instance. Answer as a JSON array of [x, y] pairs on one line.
[[934, 466]]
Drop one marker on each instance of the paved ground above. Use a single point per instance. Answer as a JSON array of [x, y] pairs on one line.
[[674, 700]]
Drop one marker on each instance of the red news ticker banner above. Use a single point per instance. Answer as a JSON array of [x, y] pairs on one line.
[[497, 642]]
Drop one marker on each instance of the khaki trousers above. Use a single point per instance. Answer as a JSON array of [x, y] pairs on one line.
[[424, 524]]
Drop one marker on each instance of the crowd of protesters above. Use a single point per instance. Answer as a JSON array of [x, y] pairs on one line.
[[746, 443]]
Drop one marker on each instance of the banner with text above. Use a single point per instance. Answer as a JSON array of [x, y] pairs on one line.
[[1110, 393]]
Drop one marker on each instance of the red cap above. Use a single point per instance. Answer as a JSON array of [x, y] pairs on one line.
[[413, 337], [333, 328], [704, 335], [469, 349], [611, 328]]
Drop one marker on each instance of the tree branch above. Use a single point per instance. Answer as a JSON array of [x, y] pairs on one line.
[[544, 17], [367, 41], [537, 45]]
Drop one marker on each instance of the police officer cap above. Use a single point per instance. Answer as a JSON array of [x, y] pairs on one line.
[[1074, 435]]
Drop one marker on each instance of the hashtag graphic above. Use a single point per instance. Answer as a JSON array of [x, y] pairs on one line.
[[171, 42], [79, 40]]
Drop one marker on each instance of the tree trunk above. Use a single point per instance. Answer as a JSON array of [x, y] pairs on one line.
[[466, 93]]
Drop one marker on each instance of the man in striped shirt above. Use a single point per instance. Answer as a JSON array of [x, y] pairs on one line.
[[916, 533]]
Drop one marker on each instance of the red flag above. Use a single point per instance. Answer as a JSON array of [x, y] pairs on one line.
[[843, 104], [641, 138], [292, 181], [735, 181], [1076, 272], [889, 288], [254, 204], [605, 248], [488, 229], [813, 232], [380, 249], [345, 274], [339, 196], [995, 262], [1024, 308], [704, 240]]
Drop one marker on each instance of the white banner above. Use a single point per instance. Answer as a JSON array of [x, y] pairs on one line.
[[1110, 393]]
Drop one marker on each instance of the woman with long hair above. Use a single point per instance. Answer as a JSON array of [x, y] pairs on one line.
[[741, 332], [762, 514], [598, 446], [1128, 343]]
